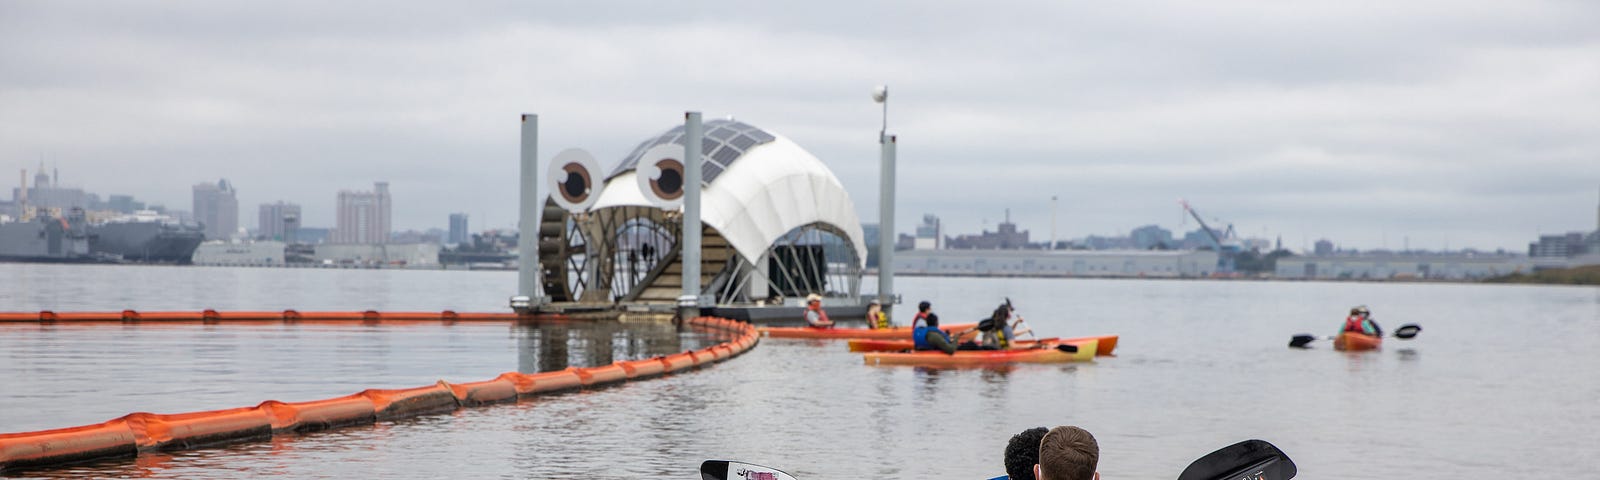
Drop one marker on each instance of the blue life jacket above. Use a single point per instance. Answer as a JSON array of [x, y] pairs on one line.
[[919, 337]]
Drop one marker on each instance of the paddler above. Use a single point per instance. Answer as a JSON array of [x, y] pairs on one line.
[[998, 336], [928, 336], [1360, 321], [994, 333], [876, 317], [815, 317]]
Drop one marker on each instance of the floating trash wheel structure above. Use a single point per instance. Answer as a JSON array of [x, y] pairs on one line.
[[776, 224]]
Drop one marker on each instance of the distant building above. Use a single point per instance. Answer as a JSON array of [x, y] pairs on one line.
[[216, 207], [432, 235], [930, 234], [1323, 248], [1058, 263], [311, 235], [1402, 266], [253, 254], [458, 229], [48, 194], [124, 204], [1570, 244], [1096, 242], [423, 255], [279, 221], [1006, 238], [363, 217], [1151, 236], [1198, 239]]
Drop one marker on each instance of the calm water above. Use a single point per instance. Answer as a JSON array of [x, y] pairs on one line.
[[1503, 381]]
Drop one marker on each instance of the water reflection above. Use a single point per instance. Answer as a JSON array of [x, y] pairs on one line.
[[927, 383], [996, 382], [555, 345]]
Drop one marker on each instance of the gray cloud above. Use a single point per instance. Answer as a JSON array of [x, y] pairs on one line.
[[1472, 123]]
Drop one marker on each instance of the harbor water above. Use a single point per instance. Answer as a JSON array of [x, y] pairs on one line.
[[1503, 381]]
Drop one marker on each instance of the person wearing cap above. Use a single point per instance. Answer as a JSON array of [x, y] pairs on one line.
[[928, 336], [814, 314], [876, 317], [1360, 321]]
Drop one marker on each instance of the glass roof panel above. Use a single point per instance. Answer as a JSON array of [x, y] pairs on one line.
[[724, 143]]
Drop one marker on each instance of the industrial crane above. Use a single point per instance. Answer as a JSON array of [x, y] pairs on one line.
[[1226, 249]]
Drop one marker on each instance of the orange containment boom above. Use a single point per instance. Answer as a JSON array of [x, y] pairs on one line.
[[141, 432], [215, 316]]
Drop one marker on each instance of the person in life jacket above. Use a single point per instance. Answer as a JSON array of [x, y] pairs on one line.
[[876, 317], [998, 335], [927, 335], [815, 317], [1360, 321]]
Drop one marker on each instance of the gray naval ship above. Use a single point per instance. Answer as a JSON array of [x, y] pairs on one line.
[[48, 239], [145, 237]]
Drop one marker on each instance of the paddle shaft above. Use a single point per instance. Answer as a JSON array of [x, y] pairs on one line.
[[1405, 332]]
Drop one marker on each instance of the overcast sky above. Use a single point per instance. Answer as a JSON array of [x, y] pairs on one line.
[[1453, 123]]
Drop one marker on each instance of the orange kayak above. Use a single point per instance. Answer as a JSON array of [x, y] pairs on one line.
[[979, 358], [896, 333], [1108, 344], [1356, 342]]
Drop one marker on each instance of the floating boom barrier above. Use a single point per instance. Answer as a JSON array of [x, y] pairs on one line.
[[214, 316], [139, 433]]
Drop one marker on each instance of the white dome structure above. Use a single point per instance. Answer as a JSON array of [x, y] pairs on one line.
[[788, 222]]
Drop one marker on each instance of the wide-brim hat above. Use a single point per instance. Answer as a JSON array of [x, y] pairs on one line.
[[813, 298]]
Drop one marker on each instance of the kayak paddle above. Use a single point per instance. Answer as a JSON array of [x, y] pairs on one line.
[[1247, 460], [725, 470], [1405, 332]]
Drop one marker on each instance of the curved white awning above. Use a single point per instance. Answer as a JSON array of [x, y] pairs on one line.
[[773, 188]]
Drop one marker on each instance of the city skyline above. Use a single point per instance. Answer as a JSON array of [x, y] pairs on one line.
[[382, 208], [1451, 124]]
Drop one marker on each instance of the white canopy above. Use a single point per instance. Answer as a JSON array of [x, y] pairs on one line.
[[773, 188]]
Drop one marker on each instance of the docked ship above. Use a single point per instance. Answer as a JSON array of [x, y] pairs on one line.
[[145, 237], [48, 239]]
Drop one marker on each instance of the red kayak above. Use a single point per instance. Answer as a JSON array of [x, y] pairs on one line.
[[1107, 343], [896, 333], [1355, 342]]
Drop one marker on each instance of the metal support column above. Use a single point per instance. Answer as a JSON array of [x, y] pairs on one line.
[[528, 287], [886, 236], [689, 302]]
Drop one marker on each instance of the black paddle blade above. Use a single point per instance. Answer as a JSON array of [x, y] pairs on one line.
[[1300, 341], [1247, 460], [1069, 348], [1407, 331], [725, 470]]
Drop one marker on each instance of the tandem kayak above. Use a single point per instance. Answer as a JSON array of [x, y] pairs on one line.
[[895, 333], [978, 358], [1108, 344], [1355, 342]]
